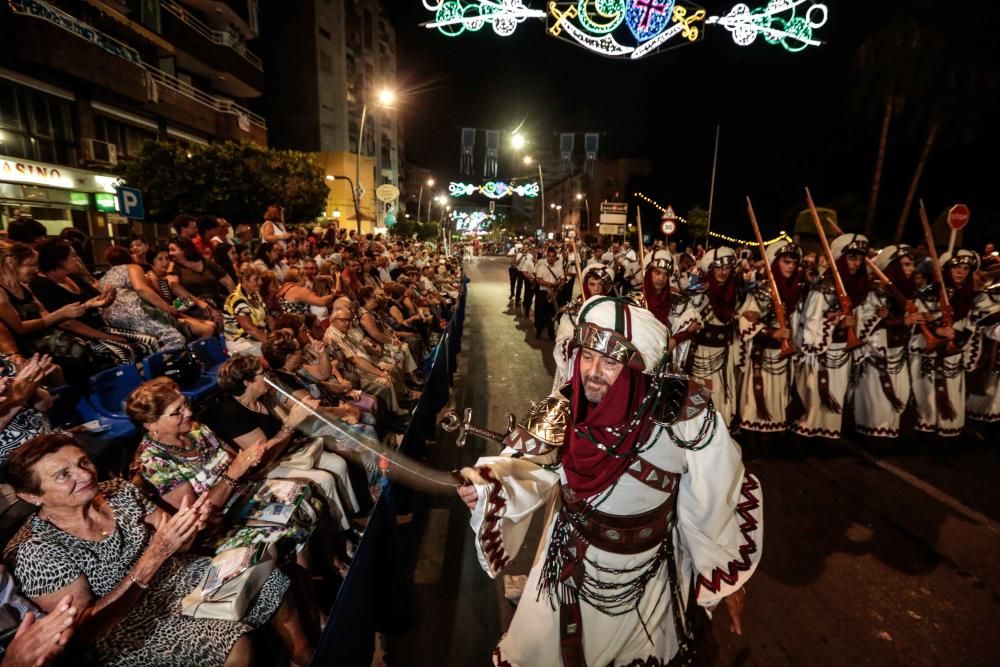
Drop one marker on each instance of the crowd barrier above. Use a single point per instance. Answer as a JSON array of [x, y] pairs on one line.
[[373, 597]]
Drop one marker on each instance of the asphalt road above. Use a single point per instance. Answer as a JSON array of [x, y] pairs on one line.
[[872, 556]]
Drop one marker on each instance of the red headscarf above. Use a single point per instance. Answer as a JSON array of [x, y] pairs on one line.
[[590, 470], [856, 285], [963, 297], [658, 304], [906, 286], [789, 289], [722, 297]]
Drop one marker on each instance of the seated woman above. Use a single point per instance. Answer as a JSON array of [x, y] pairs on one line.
[[404, 313], [244, 314], [372, 326], [287, 357], [269, 258], [23, 402], [112, 550], [202, 279], [199, 316], [224, 254], [243, 418], [323, 286], [181, 459], [295, 297], [33, 327], [138, 306]]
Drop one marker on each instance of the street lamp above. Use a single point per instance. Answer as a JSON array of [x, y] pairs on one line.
[[586, 202], [429, 183], [385, 98], [354, 199], [518, 141], [528, 160]]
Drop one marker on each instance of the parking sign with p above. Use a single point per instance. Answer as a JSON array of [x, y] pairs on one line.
[[128, 201]]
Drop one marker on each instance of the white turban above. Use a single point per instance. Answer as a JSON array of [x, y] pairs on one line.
[[629, 325]]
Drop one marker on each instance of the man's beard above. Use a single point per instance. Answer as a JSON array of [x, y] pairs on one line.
[[595, 395]]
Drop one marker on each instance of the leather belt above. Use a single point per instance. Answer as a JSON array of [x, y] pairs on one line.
[[622, 534], [716, 335]]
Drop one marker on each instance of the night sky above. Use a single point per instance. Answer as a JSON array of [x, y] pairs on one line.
[[787, 119]]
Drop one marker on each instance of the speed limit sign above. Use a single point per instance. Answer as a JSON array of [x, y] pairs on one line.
[[668, 227]]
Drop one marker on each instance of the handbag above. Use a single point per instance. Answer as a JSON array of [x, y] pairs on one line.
[[182, 367], [231, 583], [61, 344], [304, 457]]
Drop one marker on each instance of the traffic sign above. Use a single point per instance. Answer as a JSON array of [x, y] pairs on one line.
[[614, 207], [128, 201], [958, 216], [667, 226], [387, 193], [669, 214]]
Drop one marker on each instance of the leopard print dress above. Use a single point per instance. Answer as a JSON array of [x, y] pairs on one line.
[[154, 632]]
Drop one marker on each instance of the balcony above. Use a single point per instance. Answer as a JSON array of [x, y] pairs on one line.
[[216, 116], [223, 12]]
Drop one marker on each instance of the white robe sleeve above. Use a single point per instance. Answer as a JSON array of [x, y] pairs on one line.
[[817, 330], [563, 351], [510, 490], [720, 517]]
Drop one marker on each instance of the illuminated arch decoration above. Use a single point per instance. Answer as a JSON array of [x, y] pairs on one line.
[[493, 189], [472, 222], [637, 28]]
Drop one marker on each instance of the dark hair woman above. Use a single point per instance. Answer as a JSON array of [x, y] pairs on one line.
[[112, 550]]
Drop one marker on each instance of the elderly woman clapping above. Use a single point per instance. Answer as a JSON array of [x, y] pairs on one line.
[[110, 548]]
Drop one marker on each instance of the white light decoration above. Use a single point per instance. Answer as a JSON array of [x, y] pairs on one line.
[[634, 29], [493, 189]]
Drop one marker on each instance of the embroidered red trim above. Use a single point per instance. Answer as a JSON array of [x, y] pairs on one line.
[[984, 416], [866, 328], [811, 432], [764, 427], [730, 575], [651, 661], [824, 341], [924, 427], [490, 537], [877, 431], [499, 660]]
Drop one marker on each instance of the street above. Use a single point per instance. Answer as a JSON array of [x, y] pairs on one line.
[[873, 557]]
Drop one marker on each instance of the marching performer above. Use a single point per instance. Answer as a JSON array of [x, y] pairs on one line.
[[765, 388], [527, 269], [570, 262], [938, 372], [550, 279], [885, 322], [984, 381], [717, 348], [824, 373], [651, 517], [515, 275], [673, 309], [597, 281]]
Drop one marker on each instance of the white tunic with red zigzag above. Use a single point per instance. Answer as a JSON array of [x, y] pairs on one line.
[[717, 533]]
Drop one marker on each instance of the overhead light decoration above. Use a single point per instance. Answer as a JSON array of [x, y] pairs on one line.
[[632, 29], [493, 189]]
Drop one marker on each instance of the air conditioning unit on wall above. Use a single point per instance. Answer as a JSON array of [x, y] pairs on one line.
[[96, 151]]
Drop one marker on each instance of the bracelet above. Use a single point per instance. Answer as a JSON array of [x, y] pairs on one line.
[[288, 429], [137, 582], [226, 479]]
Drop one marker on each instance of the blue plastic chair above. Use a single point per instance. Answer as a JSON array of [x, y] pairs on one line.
[[110, 388], [204, 387], [71, 408], [210, 351]]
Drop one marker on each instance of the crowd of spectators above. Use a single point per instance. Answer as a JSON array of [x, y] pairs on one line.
[[326, 333]]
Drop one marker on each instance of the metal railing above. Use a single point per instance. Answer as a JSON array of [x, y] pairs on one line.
[[217, 103], [219, 37]]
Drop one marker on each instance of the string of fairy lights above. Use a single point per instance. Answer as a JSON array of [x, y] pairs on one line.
[[782, 235]]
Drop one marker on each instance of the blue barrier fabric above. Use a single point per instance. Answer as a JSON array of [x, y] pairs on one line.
[[373, 596]]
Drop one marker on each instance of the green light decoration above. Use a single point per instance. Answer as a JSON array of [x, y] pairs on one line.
[[493, 189], [634, 29]]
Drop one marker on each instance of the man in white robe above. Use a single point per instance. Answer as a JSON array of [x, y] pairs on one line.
[[649, 523]]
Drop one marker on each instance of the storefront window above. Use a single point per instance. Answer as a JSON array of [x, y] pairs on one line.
[[127, 138], [35, 126]]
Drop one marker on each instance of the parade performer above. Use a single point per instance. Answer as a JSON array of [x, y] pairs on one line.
[[765, 390], [672, 308], [597, 281], [651, 517], [515, 275], [938, 373], [885, 321], [527, 268], [824, 373], [717, 347], [550, 279], [984, 381], [570, 262]]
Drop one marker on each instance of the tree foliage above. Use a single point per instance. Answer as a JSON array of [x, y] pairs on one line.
[[233, 180], [697, 223]]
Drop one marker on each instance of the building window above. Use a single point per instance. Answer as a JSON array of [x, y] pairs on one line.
[[35, 126], [325, 34], [149, 15], [369, 30], [127, 138]]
